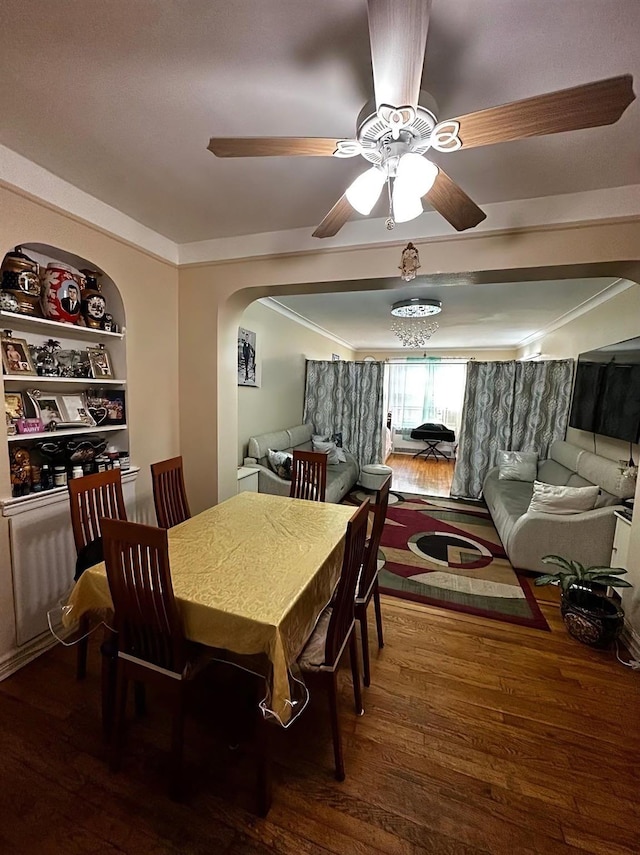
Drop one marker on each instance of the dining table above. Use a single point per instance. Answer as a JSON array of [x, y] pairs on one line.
[[251, 576]]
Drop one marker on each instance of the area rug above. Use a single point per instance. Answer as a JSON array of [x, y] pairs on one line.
[[447, 553]]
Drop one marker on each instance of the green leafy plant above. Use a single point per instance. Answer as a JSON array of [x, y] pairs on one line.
[[572, 572]]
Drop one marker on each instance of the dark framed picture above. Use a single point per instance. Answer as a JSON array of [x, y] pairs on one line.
[[49, 408], [100, 363], [248, 366], [107, 407], [16, 358]]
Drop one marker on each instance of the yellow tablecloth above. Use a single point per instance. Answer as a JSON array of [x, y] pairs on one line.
[[251, 576]]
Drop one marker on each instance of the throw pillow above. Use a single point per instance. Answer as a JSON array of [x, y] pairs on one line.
[[551, 499], [319, 438], [280, 462], [337, 438], [334, 454], [518, 465]]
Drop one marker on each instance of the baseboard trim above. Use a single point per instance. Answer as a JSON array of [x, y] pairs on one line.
[[631, 640], [25, 654]]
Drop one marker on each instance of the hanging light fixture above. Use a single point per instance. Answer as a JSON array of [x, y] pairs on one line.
[[411, 320]]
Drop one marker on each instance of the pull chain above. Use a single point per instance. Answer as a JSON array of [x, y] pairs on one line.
[[390, 222]]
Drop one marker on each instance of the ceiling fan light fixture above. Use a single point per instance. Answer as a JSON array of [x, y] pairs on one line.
[[418, 171], [407, 205], [365, 191]]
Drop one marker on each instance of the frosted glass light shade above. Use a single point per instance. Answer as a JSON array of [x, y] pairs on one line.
[[414, 177], [365, 190]]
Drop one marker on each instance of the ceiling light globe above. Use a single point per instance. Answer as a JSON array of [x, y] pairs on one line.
[[363, 193]]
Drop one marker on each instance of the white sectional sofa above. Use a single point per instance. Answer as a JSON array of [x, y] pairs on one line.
[[586, 536], [340, 477]]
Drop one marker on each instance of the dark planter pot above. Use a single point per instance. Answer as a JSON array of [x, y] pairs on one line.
[[590, 616]]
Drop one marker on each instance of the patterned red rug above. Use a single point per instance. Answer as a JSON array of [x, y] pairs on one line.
[[447, 553]]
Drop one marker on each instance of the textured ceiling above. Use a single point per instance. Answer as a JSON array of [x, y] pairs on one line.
[[487, 315], [120, 98]]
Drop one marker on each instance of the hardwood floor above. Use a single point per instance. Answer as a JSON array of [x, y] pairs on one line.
[[478, 737], [417, 475]]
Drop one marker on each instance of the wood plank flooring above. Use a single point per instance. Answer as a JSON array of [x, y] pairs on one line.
[[478, 737], [417, 475]]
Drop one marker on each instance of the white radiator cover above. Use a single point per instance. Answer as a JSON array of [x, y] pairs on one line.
[[43, 555]]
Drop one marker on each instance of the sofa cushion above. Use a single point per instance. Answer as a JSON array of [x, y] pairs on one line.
[[277, 440], [606, 474], [553, 499], [518, 465], [280, 462], [553, 473], [578, 481], [507, 501], [299, 434], [565, 454], [334, 454]]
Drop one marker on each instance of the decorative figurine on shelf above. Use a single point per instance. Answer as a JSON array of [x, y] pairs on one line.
[[20, 472], [409, 263], [62, 293], [45, 358], [94, 305], [20, 283]]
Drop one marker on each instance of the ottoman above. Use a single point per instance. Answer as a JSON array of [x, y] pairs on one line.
[[373, 475]]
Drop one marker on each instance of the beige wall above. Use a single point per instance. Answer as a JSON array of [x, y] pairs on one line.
[[149, 290], [283, 347]]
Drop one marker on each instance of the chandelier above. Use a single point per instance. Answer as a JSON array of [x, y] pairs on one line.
[[411, 320]]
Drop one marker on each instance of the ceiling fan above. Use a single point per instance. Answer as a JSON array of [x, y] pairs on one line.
[[395, 132]]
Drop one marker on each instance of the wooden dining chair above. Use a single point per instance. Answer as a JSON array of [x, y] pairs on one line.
[[368, 584], [169, 494], [152, 647], [91, 499], [309, 476], [335, 630]]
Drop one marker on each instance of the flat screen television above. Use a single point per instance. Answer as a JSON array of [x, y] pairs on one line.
[[606, 392]]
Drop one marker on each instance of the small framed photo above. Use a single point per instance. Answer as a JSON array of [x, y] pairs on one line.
[[100, 363], [48, 408], [74, 407], [13, 406], [16, 358]]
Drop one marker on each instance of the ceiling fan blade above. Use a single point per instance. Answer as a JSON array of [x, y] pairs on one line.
[[335, 219], [451, 202], [398, 36], [271, 146], [586, 106]]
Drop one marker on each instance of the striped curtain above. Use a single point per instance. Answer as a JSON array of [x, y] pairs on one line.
[[514, 406], [347, 398]]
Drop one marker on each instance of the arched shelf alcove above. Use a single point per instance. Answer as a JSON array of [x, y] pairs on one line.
[[42, 547]]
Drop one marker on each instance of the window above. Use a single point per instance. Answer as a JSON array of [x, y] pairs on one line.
[[429, 390]]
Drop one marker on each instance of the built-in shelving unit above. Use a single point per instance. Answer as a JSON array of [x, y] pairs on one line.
[[42, 551], [12, 320], [52, 434]]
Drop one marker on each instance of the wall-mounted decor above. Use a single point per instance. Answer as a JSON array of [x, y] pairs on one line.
[[248, 372], [100, 363], [16, 358], [335, 357]]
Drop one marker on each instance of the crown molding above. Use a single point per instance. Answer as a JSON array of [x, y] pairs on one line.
[[587, 207], [270, 303], [16, 172], [607, 293]]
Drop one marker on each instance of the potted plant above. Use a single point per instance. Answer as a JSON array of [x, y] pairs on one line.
[[589, 615]]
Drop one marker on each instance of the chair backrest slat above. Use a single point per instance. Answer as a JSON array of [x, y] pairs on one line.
[[91, 498], [169, 493], [370, 562], [309, 476], [147, 617], [343, 613]]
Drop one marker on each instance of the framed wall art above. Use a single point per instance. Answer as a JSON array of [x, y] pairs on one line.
[[16, 358], [248, 365], [100, 363]]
